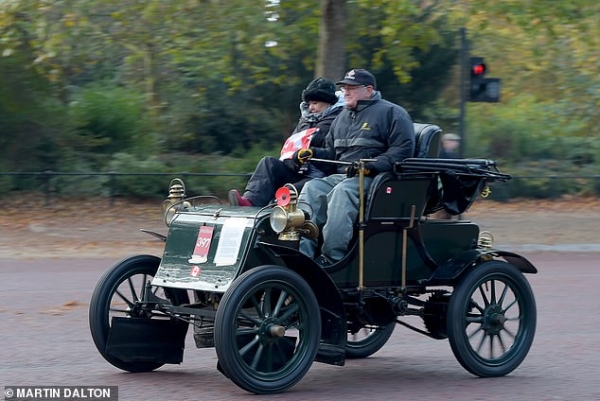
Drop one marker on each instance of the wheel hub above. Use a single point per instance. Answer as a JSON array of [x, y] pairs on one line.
[[494, 319], [270, 330], [276, 330]]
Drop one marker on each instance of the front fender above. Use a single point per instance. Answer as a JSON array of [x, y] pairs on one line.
[[450, 271], [333, 314]]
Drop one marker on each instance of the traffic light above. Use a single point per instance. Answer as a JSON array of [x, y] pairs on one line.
[[482, 89]]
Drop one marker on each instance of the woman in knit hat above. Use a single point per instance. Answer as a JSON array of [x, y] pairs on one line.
[[319, 107]]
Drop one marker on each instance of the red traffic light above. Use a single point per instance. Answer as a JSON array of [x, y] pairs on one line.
[[482, 89], [478, 69]]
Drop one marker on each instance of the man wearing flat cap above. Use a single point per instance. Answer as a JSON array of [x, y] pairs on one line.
[[369, 127]]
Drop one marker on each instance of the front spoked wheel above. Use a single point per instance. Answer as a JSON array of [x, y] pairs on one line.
[[118, 294], [267, 330], [491, 319]]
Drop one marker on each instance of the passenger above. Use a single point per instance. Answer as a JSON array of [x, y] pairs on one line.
[[450, 150], [319, 107], [369, 127]]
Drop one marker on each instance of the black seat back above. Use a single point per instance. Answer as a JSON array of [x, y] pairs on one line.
[[428, 138], [391, 196]]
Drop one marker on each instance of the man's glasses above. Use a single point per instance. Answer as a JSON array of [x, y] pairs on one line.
[[352, 88]]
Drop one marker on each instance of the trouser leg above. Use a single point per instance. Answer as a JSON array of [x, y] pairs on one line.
[[313, 199], [343, 203], [269, 175]]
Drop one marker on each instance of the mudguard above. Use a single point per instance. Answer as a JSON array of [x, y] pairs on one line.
[[146, 340], [447, 273], [333, 316]]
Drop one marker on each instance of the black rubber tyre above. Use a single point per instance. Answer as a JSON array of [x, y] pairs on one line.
[[368, 341], [491, 319], [267, 330], [116, 294]]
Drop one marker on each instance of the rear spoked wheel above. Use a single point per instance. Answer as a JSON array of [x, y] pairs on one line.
[[491, 319], [368, 340], [267, 330]]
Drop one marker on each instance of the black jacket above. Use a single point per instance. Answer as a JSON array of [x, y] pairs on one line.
[[376, 129], [323, 122]]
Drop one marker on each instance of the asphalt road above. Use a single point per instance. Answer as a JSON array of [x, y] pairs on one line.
[[45, 340]]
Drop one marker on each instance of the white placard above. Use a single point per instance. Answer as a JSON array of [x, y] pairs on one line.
[[230, 241]]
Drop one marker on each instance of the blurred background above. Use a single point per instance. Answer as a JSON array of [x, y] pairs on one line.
[[144, 89]]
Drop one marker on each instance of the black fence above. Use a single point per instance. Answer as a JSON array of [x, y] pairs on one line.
[[110, 186], [46, 182]]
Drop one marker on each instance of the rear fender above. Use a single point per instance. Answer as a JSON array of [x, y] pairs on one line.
[[519, 261], [333, 315], [448, 272]]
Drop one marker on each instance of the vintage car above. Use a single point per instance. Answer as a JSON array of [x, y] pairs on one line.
[[235, 275]]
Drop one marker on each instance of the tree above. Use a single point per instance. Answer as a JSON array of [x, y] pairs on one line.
[[331, 57], [196, 76]]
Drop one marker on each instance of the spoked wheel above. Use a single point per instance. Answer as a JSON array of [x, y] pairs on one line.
[[117, 294], [368, 341], [492, 319], [267, 330]]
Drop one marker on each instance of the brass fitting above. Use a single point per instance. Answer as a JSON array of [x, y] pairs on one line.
[[175, 202]]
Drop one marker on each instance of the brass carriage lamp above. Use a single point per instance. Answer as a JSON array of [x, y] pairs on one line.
[[287, 220], [175, 201], [485, 240]]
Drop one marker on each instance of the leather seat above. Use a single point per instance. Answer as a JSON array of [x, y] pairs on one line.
[[428, 138]]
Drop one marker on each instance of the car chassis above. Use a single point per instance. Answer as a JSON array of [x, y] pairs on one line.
[[235, 274]]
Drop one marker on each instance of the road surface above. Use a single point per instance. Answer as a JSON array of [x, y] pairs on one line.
[[45, 340]]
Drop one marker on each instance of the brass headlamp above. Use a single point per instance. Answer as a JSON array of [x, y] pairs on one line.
[[287, 220]]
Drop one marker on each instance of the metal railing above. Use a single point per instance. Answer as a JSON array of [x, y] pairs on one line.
[[46, 178], [44, 182]]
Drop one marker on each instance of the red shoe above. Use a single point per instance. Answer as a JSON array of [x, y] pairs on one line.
[[235, 199]]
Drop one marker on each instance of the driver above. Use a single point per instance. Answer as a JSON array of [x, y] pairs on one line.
[[369, 127]]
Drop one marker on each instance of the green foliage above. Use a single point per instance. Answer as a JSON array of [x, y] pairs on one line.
[[547, 49], [523, 136], [141, 179], [551, 179], [223, 123], [107, 119], [591, 185], [29, 117], [211, 86], [222, 172], [76, 182], [581, 152], [533, 182], [391, 34], [79, 185], [427, 80], [523, 129], [5, 180]]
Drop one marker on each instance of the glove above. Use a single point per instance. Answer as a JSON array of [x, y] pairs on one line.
[[302, 155], [353, 169], [291, 164]]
